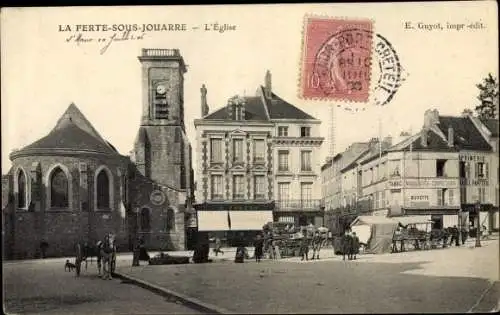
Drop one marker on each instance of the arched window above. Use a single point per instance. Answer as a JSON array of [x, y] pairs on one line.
[[145, 220], [103, 197], [21, 190], [170, 220], [59, 189]]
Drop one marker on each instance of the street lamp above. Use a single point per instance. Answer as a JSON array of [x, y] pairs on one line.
[[478, 227]]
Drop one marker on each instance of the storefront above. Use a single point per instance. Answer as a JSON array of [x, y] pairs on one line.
[[300, 218], [233, 222], [488, 216]]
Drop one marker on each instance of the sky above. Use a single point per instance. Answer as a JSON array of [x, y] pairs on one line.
[[42, 72]]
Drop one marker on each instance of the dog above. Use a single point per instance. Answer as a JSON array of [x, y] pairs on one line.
[[69, 266]]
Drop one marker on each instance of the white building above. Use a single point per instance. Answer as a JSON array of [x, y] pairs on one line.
[[258, 160]]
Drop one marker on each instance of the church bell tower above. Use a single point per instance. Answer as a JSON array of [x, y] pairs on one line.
[[160, 147]]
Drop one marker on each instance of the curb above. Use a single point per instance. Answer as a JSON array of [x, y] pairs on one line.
[[186, 300]]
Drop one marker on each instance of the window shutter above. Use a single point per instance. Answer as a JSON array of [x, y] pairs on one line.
[[486, 171]]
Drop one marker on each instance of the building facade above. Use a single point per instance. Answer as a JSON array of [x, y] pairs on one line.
[[72, 185], [443, 172], [258, 162]]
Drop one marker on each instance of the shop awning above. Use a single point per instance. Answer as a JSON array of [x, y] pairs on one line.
[[249, 220], [223, 220], [212, 221]]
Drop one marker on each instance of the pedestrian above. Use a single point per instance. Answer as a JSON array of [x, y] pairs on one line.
[[395, 239], [259, 244], [456, 235], [241, 253], [136, 252], [218, 245], [346, 245], [304, 248], [316, 242], [464, 233], [277, 252], [484, 232], [43, 248], [143, 253], [355, 245], [445, 235]]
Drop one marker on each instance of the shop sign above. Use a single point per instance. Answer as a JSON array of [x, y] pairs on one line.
[[423, 183], [474, 182], [464, 157]]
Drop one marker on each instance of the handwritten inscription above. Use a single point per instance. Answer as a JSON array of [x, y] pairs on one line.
[[103, 41]]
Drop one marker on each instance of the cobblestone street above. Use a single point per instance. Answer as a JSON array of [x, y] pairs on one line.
[[43, 287], [448, 280]]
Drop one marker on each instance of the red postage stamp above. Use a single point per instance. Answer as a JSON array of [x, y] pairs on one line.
[[336, 59]]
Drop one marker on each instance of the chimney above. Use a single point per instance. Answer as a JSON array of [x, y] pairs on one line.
[[268, 84], [388, 141], [204, 105], [431, 118], [450, 137], [424, 137]]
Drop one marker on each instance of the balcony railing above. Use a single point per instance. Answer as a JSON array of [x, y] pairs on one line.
[[160, 52], [298, 205]]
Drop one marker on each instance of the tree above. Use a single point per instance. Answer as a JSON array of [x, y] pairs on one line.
[[467, 111], [488, 96]]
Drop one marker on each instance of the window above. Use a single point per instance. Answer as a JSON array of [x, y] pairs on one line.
[[450, 196], [170, 220], [306, 194], [283, 191], [59, 189], [237, 150], [145, 220], [305, 161], [216, 183], [462, 170], [260, 187], [21, 190], [216, 150], [283, 161], [103, 190], [481, 170], [259, 151], [238, 187], [305, 132], [441, 196], [440, 164], [282, 131], [482, 194]]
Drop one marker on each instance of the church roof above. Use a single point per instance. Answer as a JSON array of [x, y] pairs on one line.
[[258, 107], [74, 133]]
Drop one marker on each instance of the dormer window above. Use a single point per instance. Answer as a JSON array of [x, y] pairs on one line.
[[236, 108], [305, 132]]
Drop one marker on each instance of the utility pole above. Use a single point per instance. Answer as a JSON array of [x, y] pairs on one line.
[[331, 130], [478, 224]]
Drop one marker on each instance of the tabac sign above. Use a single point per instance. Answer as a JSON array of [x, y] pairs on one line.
[[423, 183]]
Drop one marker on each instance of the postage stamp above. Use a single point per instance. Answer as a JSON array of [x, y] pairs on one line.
[[338, 58]]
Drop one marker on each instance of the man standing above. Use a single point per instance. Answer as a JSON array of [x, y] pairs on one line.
[[316, 242], [304, 248], [346, 245], [456, 235], [259, 244], [355, 245]]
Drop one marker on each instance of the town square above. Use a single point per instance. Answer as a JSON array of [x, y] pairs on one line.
[[181, 171]]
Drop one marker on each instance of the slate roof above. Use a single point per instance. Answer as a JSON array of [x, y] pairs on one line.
[[492, 125], [257, 107], [72, 132], [466, 135], [434, 143]]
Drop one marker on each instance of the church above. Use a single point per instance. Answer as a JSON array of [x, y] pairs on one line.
[[72, 185]]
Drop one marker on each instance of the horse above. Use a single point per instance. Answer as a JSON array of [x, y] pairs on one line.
[[108, 256]]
